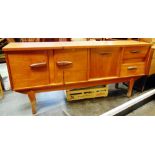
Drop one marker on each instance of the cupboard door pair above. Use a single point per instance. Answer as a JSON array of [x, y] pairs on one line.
[[70, 65], [28, 69], [104, 62]]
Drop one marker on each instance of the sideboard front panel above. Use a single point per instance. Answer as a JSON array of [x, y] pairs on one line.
[[132, 69], [135, 52], [28, 69], [71, 65], [105, 62]]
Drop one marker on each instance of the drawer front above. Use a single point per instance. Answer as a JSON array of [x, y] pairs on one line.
[[132, 69], [71, 65], [135, 52], [28, 69], [104, 62]]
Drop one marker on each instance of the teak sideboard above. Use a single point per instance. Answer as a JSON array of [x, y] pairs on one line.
[[45, 66]]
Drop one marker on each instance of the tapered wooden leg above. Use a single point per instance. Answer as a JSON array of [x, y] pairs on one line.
[[1, 90], [32, 98], [116, 85], [130, 87]]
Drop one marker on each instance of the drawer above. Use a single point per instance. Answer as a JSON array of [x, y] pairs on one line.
[[132, 69], [135, 52], [28, 69]]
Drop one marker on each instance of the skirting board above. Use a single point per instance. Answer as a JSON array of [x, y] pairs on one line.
[[127, 105]]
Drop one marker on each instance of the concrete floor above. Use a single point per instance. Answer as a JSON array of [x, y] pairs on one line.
[[54, 103], [146, 110]]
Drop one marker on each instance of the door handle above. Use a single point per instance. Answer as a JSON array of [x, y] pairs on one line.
[[63, 63], [135, 51], [132, 68], [105, 53], [37, 65]]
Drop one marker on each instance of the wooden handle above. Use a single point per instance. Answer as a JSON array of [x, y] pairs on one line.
[[132, 68], [135, 51], [105, 53], [40, 64], [63, 63]]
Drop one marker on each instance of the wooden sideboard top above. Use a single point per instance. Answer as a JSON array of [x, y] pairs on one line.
[[63, 45]]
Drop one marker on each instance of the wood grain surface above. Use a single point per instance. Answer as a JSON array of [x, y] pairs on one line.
[[76, 44]]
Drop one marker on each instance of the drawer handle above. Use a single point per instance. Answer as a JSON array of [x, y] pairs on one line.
[[37, 65], [105, 53], [132, 68], [63, 63], [135, 51]]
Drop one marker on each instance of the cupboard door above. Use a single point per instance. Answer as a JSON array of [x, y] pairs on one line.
[[104, 62], [28, 69], [70, 65]]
